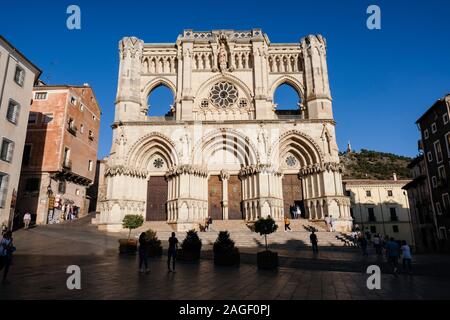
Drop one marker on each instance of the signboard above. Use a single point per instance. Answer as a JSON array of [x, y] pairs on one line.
[[51, 203]]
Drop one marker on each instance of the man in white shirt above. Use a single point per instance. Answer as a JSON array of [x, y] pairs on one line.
[[406, 255], [328, 223], [27, 219]]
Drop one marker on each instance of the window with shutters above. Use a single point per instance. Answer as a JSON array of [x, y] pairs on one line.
[[7, 150], [19, 76], [3, 188], [12, 114]]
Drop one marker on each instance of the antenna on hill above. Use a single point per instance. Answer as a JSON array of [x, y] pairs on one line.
[[349, 147]]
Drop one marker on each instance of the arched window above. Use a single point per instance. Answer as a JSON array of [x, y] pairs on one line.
[[287, 102], [160, 101]]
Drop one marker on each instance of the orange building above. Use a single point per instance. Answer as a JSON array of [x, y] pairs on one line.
[[60, 153]]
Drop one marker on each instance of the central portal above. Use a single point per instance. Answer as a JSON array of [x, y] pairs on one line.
[[156, 199], [292, 193]]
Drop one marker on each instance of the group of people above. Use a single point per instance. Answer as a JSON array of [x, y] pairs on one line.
[[391, 248], [144, 248], [295, 212]]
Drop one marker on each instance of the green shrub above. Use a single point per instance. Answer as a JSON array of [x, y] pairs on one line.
[[265, 226], [223, 243], [192, 242], [132, 221]]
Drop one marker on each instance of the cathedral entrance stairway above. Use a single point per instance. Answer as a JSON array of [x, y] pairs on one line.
[[245, 238]]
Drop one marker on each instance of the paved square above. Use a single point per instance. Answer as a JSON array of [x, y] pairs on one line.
[[39, 272]]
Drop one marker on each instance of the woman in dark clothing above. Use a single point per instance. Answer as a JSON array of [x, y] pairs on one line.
[[143, 253]]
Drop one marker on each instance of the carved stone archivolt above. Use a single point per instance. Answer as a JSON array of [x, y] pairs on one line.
[[318, 168], [258, 168], [200, 171], [125, 171]]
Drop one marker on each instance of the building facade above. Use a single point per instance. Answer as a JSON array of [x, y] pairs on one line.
[[223, 149], [381, 206], [17, 77], [422, 215], [434, 127], [60, 152]]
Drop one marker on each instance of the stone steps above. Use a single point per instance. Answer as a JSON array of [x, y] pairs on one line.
[[250, 239]]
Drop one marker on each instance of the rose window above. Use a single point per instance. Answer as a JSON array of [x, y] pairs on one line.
[[223, 94], [291, 161], [158, 163]]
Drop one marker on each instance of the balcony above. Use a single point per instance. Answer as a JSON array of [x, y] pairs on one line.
[[72, 129], [67, 164]]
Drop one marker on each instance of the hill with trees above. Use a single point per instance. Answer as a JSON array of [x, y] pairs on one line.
[[368, 164]]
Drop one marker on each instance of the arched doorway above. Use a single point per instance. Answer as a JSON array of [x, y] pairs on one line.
[[292, 194], [215, 191], [156, 199], [235, 198]]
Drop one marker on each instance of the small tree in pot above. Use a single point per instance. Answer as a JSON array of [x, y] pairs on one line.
[[225, 253], [266, 259], [130, 221], [154, 244], [190, 247]]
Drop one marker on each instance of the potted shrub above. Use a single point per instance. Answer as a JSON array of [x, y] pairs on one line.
[[225, 253], [190, 247], [266, 259], [130, 221], [154, 244]]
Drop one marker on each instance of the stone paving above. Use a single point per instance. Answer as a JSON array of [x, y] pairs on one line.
[[39, 272]]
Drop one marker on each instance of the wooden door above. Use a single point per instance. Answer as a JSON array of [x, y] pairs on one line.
[[292, 192], [234, 198], [215, 198], [157, 199]]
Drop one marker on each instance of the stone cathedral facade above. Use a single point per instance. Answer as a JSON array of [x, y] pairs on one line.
[[223, 149]]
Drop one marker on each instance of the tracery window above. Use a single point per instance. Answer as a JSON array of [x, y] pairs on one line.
[[158, 163], [243, 103], [223, 94], [291, 161]]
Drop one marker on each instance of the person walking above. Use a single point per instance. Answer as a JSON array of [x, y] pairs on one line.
[[143, 253], [377, 244], [27, 219], [4, 229], [206, 224], [327, 223], [406, 255], [210, 221], [172, 252], [363, 243], [393, 252], [331, 224], [287, 224], [314, 240], [6, 250]]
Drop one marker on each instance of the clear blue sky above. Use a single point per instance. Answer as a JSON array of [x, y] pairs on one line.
[[381, 80]]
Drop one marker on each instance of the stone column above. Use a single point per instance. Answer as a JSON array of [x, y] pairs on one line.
[[224, 176]]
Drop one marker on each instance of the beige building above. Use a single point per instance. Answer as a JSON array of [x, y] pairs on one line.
[[223, 149], [17, 77], [381, 206]]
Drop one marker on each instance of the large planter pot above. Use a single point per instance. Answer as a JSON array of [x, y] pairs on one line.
[[267, 260], [185, 255], [128, 246], [230, 258], [155, 251]]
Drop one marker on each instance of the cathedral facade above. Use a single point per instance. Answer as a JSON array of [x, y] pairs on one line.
[[223, 149]]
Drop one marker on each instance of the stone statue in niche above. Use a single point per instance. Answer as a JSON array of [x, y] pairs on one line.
[[223, 57]]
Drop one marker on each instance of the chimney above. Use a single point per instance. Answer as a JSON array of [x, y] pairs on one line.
[[394, 175]]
